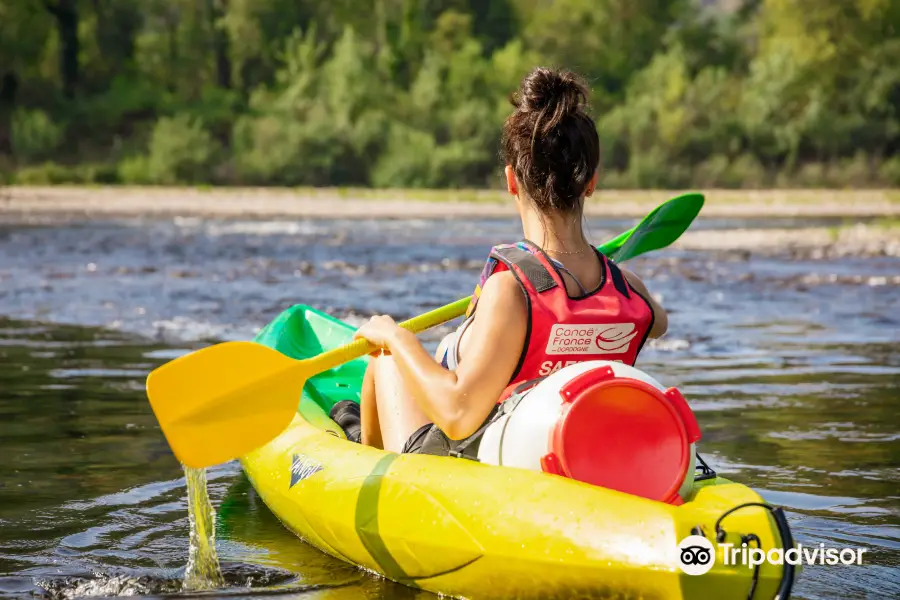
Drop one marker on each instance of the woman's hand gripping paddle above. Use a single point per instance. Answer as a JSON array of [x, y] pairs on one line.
[[221, 402]]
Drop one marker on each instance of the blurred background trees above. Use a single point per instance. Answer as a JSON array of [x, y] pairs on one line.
[[412, 93]]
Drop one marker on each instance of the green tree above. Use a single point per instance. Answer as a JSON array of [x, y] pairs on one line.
[[607, 41], [414, 92], [823, 80], [66, 14], [24, 28]]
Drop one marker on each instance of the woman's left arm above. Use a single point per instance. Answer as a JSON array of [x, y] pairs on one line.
[[660, 316], [459, 401]]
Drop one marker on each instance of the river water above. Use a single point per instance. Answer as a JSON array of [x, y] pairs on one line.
[[791, 363]]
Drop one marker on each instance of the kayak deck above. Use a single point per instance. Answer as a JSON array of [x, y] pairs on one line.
[[466, 529]]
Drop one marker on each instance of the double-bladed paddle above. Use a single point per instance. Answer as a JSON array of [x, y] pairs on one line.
[[223, 401]]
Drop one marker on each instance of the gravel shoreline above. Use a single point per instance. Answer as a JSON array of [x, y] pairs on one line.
[[814, 243], [49, 206], [339, 203]]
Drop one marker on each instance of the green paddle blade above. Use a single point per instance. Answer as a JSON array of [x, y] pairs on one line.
[[657, 230]]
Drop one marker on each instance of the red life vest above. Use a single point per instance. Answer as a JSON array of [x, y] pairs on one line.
[[610, 323]]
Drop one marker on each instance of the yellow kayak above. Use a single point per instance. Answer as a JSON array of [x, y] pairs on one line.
[[465, 529]]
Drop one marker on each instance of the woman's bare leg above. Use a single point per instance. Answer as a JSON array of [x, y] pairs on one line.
[[396, 415], [371, 428]]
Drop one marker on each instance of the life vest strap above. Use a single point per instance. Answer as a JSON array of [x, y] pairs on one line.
[[529, 265]]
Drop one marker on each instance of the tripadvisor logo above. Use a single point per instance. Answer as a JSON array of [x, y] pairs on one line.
[[752, 557], [697, 555]]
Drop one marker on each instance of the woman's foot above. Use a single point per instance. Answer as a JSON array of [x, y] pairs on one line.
[[346, 414]]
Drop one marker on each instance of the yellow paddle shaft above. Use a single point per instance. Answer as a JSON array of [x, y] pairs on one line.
[[346, 353]]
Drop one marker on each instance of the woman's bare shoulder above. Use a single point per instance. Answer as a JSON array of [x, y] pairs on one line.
[[502, 292]]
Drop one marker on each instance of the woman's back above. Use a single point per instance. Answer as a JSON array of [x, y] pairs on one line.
[[582, 273]]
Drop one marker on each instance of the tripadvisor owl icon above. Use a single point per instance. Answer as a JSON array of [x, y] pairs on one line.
[[696, 555]]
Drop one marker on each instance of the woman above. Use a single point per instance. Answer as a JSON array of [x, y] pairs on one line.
[[540, 306]]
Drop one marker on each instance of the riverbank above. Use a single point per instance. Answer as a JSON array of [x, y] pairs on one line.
[[351, 203], [860, 240]]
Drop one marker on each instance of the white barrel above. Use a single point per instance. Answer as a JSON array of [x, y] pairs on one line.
[[521, 437]]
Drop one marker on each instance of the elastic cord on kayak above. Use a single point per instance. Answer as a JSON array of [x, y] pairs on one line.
[[746, 539], [787, 542], [706, 471]]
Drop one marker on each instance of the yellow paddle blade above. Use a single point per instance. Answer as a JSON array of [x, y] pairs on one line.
[[223, 401]]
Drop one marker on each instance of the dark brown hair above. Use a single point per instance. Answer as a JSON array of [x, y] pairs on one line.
[[550, 141]]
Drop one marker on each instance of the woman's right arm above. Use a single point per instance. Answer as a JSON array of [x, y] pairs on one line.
[[459, 401]]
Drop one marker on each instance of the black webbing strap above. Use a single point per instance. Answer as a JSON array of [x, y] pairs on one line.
[[530, 266], [618, 279]]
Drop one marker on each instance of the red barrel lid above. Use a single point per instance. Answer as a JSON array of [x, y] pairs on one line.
[[622, 434]]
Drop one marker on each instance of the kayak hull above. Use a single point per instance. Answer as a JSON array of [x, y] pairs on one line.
[[466, 529]]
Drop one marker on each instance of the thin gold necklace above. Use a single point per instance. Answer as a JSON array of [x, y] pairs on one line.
[[582, 251]]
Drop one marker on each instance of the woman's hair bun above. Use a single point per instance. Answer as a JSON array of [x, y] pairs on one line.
[[555, 92], [551, 141]]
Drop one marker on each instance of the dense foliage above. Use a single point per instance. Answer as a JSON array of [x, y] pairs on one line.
[[412, 93]]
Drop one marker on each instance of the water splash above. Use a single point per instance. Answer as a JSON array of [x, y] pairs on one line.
[[203, 572], [241, 579]]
